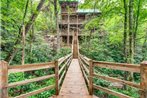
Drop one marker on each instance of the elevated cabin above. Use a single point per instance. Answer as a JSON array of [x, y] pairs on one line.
[[73, 19]]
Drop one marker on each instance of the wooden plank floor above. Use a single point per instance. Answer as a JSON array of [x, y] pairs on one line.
[[74, 85]]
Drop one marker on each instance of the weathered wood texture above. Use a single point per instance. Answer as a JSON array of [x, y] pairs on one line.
[[35, 92], [3, 79], [75, 45], [30, 67], [56, 78], [91, 77], [118, 66], [115, 66], [84, 71], [144, 79], [120, 95], [30, 80], [74, 83]]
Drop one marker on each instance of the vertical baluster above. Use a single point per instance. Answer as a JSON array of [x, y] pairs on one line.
[[144, 79], [56, 77], [90, 77], [3, 79]]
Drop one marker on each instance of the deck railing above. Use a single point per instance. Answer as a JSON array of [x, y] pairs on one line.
[[59, 66], [88, 69]]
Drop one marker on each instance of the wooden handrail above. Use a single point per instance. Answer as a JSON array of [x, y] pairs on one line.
[[111, 79], [84, 66], [85, 61], [84, 73], [65, 65], [30, 67], [61, 60], [144, 79], [5, 69], [120, 95], [36, 92], [62, 76], [63, 69], [142, 69], [118, 66], [30, 81]]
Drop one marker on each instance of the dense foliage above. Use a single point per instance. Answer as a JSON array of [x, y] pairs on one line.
[[14, 15], [105, 41]]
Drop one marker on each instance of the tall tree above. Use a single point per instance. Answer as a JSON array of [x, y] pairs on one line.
[[131, 33], [137, 20], [125, 28], [11, 54], [57, 26]]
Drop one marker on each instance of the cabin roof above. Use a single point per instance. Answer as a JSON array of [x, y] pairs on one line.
[[61, 1], [85, 11]]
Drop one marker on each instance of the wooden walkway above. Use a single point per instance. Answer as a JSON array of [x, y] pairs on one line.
[[74, 85]]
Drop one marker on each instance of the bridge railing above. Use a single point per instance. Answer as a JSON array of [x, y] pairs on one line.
[[88, 68], [63, 65], [58, 66]]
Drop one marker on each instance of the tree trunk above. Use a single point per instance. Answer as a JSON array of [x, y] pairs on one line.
[[136, 21], [11, 55], [131, 34], [57, 26], [125, 30], [144, 48], [23, 46], [68, 29]]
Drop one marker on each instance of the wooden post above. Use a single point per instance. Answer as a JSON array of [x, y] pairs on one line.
[[68, 28], [56, 78], [91, 77], [3, 79], [144, 79]]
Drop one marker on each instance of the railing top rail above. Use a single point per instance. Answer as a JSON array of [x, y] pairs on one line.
[[62, 59], [29, 67], [86, 58], [113, 63]]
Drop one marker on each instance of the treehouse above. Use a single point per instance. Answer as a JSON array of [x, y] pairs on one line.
[[72, 19]]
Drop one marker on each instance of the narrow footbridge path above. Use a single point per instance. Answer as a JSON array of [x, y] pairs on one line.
[[74, 76], [74, 85]]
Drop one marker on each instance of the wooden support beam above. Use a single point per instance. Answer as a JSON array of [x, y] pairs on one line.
[[120, 95], [3, 79], [56, 78], [91, 77], [62, 76], [111, 79], [84, 73], [30, 67], [85, 61], [35, 92], [118, 66], [30, 80], [144, 79]]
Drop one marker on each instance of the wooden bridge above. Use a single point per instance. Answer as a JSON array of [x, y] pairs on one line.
[[73, 76]]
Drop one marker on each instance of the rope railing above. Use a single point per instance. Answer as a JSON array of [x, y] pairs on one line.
[[88, 69], [60, 68]]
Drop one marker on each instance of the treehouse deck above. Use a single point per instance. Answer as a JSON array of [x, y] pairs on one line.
[[74, 85]]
